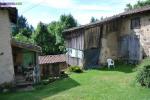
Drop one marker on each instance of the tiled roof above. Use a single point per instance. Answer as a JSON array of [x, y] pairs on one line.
[[28, 46], [126, 13], [50, 59]]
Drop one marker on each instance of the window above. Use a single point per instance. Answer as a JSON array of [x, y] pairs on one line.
[[135, 23]]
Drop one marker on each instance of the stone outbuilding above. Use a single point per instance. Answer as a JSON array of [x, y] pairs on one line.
[[124, 36], [18, 61]]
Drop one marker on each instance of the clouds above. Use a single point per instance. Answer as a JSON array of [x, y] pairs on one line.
[[82, 10], [70, 4], [85, 17]]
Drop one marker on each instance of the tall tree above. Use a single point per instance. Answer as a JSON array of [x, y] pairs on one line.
[[56, 28], [93, 20], [49, 36], [68, 21], [22, 27], [137, 5], [44, 39]]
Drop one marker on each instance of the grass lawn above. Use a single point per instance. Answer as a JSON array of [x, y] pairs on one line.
[[114, 84]]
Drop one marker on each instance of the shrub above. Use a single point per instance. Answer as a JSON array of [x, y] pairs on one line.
[[63, 74], [75, 69], [143, 76], [7, 87], [45, 82]]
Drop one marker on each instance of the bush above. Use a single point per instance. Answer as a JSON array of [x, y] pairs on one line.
[[143, 76], [63, 74], [75, 69], [5, 87]]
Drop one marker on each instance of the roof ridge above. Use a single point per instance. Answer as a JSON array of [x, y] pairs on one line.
[[125, 13]]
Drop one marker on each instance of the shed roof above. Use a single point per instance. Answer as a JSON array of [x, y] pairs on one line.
[[13, 13], [126, 13], [28, 46], [50, 59]]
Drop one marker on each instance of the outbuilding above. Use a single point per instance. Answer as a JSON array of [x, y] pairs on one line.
[[52, 65], [124, 36]]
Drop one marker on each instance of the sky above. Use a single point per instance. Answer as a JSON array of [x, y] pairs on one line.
[[82, 10]]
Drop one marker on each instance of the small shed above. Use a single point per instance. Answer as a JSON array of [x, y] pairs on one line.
[[25, 60], [52, 65]]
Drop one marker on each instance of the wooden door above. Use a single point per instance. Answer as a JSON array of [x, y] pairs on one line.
[[91, 58], [130, 48], [55, 70], [134, 48]]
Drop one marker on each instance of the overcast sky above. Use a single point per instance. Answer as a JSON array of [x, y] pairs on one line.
[[82, 10]]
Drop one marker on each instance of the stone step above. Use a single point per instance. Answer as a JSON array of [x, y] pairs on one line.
[[27, 88], [24, 84]]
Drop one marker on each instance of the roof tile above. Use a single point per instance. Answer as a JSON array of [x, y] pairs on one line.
[[50, 59]]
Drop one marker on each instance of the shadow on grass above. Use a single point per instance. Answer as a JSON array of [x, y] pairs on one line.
[[42, 91]]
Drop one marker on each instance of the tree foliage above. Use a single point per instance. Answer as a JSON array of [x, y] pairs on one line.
[[93, 20], [137, 5], [56, 28], [20, 37], [68, 21], [44, 39], [48, 36], [22, 27]]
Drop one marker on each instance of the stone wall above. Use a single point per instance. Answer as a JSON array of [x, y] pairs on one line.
[[6, 61], [109, 48], [110, 41], [143, 32]]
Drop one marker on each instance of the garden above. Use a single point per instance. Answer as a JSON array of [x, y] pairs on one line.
[[121, 83]]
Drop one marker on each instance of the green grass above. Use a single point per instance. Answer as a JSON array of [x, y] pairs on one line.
[[114, 84]]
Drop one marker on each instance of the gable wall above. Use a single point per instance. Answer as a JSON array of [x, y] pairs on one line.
[[6, 62], [143, 33], [111, 40]]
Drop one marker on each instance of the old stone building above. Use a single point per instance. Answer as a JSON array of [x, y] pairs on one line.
[[7, 16], [18, 60], [123, 36]]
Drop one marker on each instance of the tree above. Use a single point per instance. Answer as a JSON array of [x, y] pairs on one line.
[[137, 5], [22, 27], [128, 7], [57, 27], [48, 36], [93, 20], [68, 21], [20, 37], [45, 39]]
